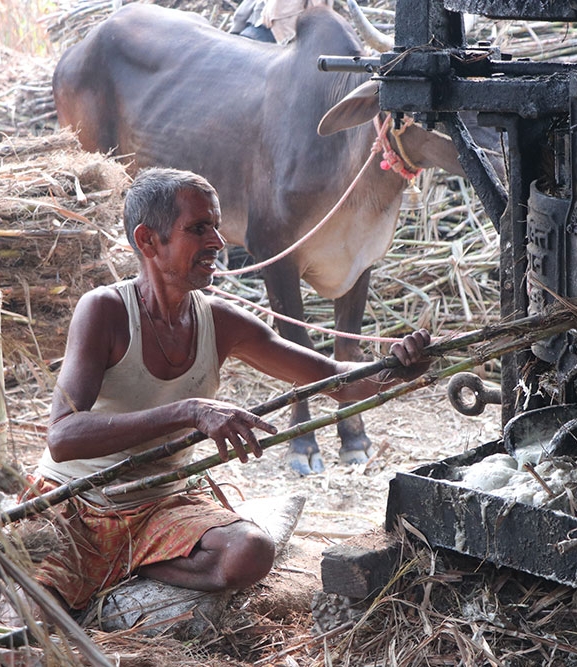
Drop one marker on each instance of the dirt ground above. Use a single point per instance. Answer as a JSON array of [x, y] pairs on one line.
[[345, 500]]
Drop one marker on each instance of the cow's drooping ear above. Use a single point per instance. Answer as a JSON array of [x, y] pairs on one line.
[[358, 107], [144, 239]]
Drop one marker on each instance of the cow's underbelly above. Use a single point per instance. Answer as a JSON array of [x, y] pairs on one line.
[[333, 260]]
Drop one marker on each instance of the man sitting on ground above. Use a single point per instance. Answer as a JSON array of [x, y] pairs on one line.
[[141, 368]]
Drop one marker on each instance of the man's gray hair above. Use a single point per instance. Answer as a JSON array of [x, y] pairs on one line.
[[151, 200]]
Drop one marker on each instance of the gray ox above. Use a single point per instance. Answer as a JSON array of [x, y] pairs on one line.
[[165, 88]]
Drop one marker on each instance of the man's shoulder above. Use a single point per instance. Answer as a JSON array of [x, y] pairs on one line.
[[234, 317], [103, 297], [225, 307]]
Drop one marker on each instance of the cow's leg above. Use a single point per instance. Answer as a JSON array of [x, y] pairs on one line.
[[283, 287], [349, 309]]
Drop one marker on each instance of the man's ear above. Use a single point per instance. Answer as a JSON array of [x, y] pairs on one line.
[[144, 238]]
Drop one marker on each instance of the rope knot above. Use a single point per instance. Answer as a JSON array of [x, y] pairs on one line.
[[400, 164]]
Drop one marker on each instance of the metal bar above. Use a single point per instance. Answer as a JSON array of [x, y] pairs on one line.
[[529, 98], [420, 22], [571, 220], [528, 10]]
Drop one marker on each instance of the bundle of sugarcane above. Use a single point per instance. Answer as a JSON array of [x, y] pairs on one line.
[[60, 228]]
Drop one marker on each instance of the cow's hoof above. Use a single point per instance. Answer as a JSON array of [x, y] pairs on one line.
[[305, 464], [351, 456], [317, 465]]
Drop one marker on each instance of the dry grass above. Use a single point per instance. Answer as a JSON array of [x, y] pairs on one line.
[[444, 609], [21, 26], [437, 609]]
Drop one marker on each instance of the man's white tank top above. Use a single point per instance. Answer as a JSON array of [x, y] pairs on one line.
[[129, 386]]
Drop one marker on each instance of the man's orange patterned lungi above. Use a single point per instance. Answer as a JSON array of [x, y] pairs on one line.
[[105, 545]]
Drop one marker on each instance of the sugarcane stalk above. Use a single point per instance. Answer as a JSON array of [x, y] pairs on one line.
[[478, 358], [55, 613], [534, 328], [563, 318]]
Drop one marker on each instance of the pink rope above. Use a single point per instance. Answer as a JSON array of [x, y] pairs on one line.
[[314, 327], [271, 260], [391, 159]]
